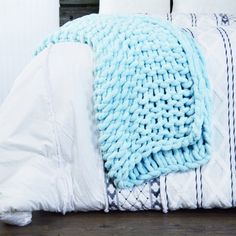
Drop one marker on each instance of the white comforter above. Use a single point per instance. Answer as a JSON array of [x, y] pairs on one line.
[[49, 158]]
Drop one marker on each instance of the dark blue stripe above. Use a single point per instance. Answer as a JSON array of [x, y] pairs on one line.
[[196, 187], [151, 192], [233, 98], [228, 19], [166, 192], [191, 18], [159, 202], [156, 194], [201, 186], [217, 21], [196, 182], [187, 29], [195, 16], [229, 130], [112, 197]]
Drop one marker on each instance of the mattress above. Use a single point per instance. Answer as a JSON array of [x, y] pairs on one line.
[[50, 158]]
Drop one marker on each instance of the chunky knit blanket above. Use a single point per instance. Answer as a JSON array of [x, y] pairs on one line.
[[151, 95]]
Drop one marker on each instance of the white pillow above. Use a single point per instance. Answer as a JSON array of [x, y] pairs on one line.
[[204, 6], [134, 6]]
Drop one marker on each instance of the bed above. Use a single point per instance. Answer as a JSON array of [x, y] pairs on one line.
[[50, 162]]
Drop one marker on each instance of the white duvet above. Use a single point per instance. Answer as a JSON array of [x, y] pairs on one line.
[[49, 157]]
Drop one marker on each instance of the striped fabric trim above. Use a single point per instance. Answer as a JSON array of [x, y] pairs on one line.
[[217, 21], [198, 171], [232, 87], [220, 19], [155, 193], [193, 19], [230, 98], [144, 197]]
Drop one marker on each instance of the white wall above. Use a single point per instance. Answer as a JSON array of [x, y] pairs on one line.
[[23, 25]]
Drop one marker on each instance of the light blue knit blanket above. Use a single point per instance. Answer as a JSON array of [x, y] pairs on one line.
[[151, 95]]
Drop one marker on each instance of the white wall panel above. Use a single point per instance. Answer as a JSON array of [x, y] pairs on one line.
[[23, 25]]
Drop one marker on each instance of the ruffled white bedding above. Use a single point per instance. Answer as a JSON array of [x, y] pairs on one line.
[[49, 157]]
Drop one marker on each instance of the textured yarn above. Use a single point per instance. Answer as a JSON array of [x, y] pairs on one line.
[[151, 95]]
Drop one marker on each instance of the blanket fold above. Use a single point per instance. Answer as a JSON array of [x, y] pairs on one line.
[[151, 95]]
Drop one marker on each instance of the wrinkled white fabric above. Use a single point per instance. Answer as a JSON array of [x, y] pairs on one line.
[[214, 184], [17, 218], [49, 158]]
